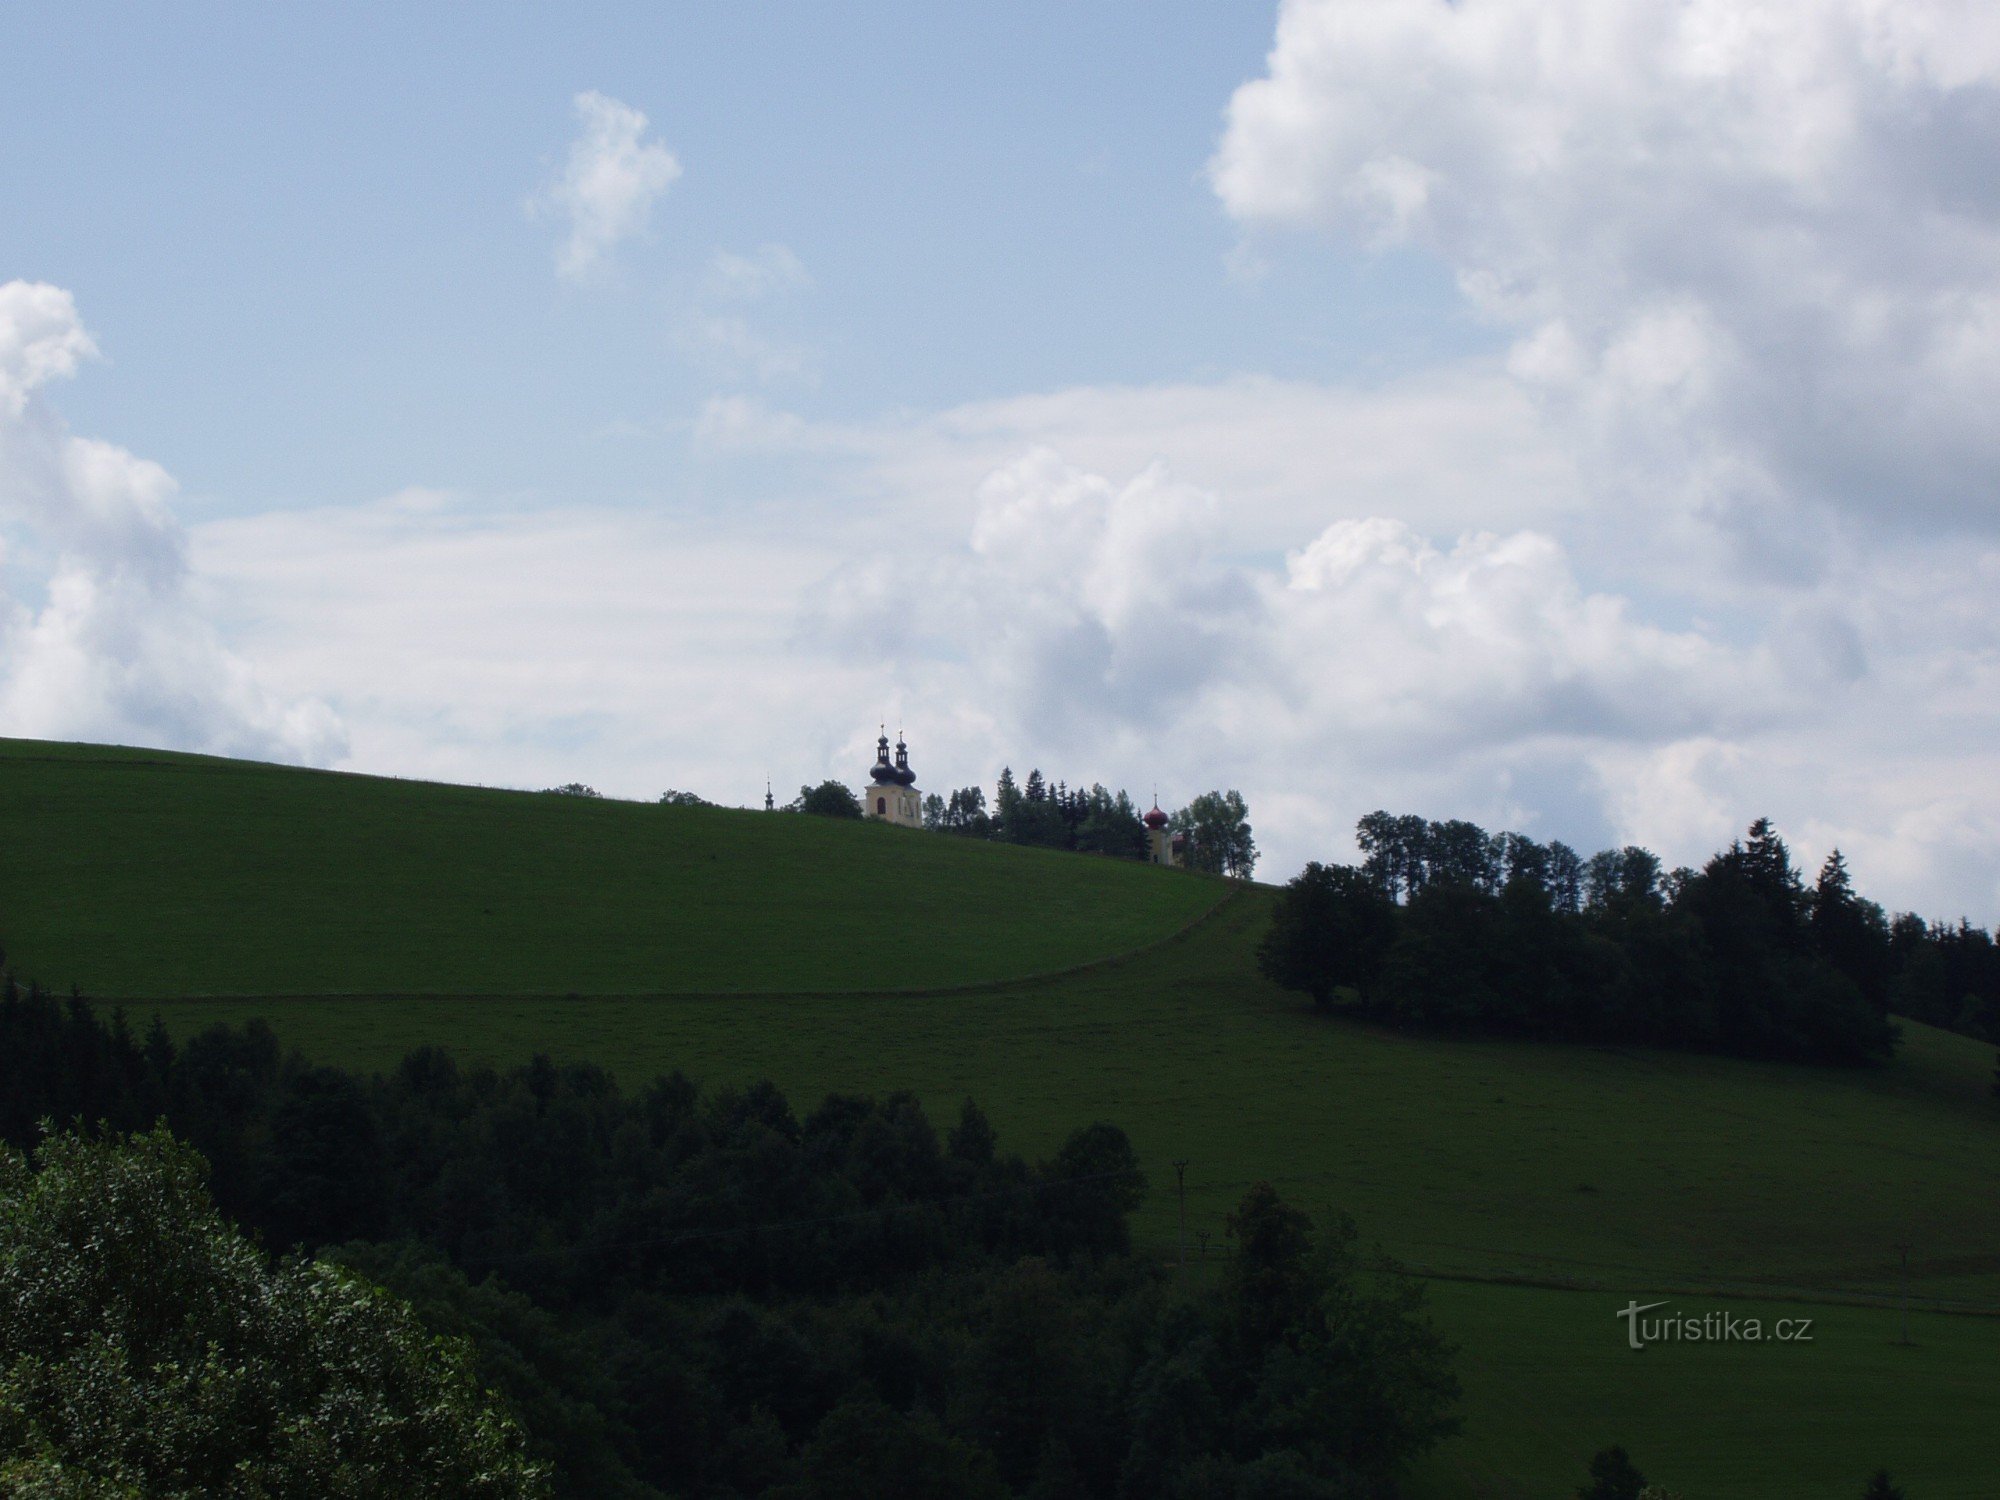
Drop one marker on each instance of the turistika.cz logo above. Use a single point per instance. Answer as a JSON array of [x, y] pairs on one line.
[[1708, 1328]]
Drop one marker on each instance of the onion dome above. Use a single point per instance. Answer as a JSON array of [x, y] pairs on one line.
[[904, 775], [884, 773], [1156, 818]]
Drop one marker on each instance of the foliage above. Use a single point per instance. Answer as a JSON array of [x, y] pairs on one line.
[[1330, 928], [147, 1348], [1304, 1370], [571, 789], [830, 799], [1217, 826], [1504, 934], [718, 1296], [672, 798], [1881, 1487]]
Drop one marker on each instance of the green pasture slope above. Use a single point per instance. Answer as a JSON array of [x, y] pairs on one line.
[[1539, 1187], [144, 874]]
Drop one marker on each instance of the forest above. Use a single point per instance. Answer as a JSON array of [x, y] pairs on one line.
[[679, 1293], [1444, 925]]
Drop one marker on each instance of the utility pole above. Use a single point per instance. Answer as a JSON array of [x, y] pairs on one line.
[[1180, 1187]]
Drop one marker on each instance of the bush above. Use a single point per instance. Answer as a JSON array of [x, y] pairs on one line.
[[149, 1349]]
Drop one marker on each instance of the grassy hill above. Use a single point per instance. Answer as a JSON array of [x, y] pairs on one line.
[[1542, 1187], [144, 874]]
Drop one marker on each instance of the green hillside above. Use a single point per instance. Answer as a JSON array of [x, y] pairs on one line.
[[1505, 1170], [1540, 1186], [146, 874]]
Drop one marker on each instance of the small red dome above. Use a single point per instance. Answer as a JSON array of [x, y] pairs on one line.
[[1156, 818]]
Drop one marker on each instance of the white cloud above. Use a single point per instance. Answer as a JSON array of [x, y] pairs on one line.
[[1452, 449], [41, 339], [531, 646], [766, 271], [608, 184], [1751, 247], [718, 330], [1106, 626], [103, 631]]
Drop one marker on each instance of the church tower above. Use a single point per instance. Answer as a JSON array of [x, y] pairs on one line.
[[892, 794], [1159, 842]]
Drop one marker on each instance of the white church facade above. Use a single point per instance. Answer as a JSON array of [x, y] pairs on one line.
[[891, 794]]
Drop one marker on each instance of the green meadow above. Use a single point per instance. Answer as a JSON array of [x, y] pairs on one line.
[[1538, 1187], [144, 874]]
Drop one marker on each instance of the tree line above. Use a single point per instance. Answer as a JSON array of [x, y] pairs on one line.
[[1213, 829], [1445, 925], [689, 1293]]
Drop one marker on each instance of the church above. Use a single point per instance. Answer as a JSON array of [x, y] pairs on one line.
[[892, 794]]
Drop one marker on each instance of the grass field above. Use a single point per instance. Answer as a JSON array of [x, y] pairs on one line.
[[140, 873], [1549, 1379], [1620, 1172]]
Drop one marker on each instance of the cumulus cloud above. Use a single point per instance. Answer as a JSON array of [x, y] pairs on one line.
[[1105, 620], [1751, 250], [103, 635], [608, 185]]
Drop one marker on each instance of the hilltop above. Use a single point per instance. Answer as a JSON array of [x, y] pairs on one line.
[[144, 874]]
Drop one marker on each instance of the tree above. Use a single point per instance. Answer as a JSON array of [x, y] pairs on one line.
[[1330, 929], [145, 1347], [1521, 858], [1565, 877], [1622, 878], [1348, 1375], [864, 1449], [830, 799], [1462, 852], [965, 813], [1007, 804], [672, 798], [1217, 825], [572, 789], [1613, 1476], [1107, 824], [1850, 933], [1882, 1488]]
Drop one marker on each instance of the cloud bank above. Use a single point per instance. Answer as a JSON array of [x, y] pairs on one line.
[[103, 631], [1750, 248]]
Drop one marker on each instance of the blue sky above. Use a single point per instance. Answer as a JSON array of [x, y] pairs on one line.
[[1567, 417], [293, 226]]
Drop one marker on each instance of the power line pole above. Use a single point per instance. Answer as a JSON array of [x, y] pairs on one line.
[[1180, 1187]]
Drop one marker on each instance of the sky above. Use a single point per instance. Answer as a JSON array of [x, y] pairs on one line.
[[1574, 418]]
